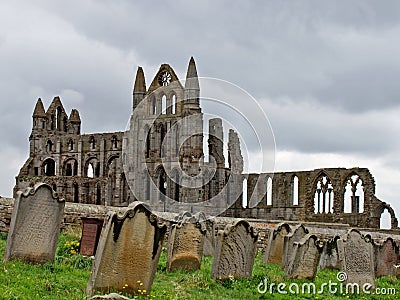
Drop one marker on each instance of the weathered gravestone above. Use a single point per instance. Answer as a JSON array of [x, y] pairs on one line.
[[329, 256], [304, 257], [273, 253], [356, 255], [235, 251], [386, 257], [35, 225], [128, 252], [289, 240], [185, 243]]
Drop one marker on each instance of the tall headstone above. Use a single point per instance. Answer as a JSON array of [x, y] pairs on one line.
[[289, 240], [35, 225], [128, 252], [356, 255], [386, 257], [209, 238], [329, 256], [274, 251], [304, 257], [235, 251], [185, 243]]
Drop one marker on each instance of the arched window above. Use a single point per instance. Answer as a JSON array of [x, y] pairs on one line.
[[154, 106], [163, 104], [354, 195], [386, 220], [295, 190], [163, 132], [268, 188], [92, 168], [114, 142], [147, 135], [323, 195], [175, 181], [70, 145], [92, 143], [177, 146], [52, 122], [162, 184], [244, 194], [76, 193], [49, 167], [58, 118], [49, 146], [65, 124], [71, 167], [173, 106]]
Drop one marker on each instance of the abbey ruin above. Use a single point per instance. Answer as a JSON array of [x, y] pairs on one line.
[[97, 169]]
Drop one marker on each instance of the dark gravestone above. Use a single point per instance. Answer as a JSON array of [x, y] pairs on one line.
[[35, 225], [329, 256], [91, 229], [128, 252], [356, 255], [235, 252], [289, 240], [304, 258], [209, 238], [386, 257]]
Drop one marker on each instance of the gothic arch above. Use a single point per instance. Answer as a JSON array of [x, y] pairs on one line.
[[70, 167], [353, 187], [49, 167], [377, 213], [323, 193], [92, 168]]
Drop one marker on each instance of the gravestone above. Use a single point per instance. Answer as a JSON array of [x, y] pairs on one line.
[[185, 243], [128, 252], [91, 229], [386, 257], [294, 236], [235, 251], [329, 256], [209, 238], [304, 258], [356, 257], [274, 251], [35, 225]]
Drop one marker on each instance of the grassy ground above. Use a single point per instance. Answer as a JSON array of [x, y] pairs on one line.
[[68, 276]]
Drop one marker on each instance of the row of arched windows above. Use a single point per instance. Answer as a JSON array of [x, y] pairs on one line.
[[163, 106], [155, 140], [353, 194], [92, 144]]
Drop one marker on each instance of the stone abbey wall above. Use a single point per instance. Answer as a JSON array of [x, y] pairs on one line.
[[166, 129]]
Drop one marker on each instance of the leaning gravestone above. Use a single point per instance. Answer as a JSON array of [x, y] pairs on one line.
[[185, 243], [356, 255], [209, 238], [128, 252], [35, 225], [304, 258], [386, 257], [289, 240], [274, 251], [235, 251]]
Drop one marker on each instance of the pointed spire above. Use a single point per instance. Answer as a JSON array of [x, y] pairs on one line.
[[192, 81], [39, 109], [74, 117], [140, 83]]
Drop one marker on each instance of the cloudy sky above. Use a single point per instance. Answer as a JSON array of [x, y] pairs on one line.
[[326, 73]]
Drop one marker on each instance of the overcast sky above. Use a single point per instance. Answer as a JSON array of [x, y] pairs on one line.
[[325, 72]]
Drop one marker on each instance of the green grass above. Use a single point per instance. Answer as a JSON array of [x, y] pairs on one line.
[[67, 278]]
